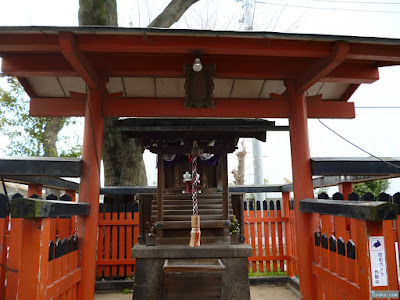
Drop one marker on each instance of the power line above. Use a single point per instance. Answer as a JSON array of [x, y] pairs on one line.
[[391, 107], [358, 2], [331, 8], [370, 154]]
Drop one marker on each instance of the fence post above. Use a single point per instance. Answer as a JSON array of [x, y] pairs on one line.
[[14, 257], [3, 247], [288, 236], [32, 276], [72, 194], [365, 230]]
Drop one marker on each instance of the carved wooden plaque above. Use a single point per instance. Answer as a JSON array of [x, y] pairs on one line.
[[199, 87]]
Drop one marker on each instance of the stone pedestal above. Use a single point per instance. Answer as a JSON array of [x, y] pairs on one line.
[[150, 277]]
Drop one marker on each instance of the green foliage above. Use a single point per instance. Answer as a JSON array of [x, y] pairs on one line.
[[321, 190], [125, 291], [29, 136], [375, 187], [235, 225], [263, 274]]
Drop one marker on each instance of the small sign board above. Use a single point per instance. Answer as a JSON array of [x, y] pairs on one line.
[[378, 261], [385, 294]]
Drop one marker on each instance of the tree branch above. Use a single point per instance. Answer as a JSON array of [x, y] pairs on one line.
[[172, 13]]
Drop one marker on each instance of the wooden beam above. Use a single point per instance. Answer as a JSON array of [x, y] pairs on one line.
[[321, 109], [59, 107], [173, 107], [368, 211], [29, 42], [133, 190], [224, 108], [39, 208], [50, 182], [354, 166], [153, 43], [27, 86], [323, 67], [78, 60], [349, 92], [145, 65], [41, 166], [326, 181]]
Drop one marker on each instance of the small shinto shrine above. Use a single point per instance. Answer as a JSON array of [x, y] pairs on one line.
[[219, 266]]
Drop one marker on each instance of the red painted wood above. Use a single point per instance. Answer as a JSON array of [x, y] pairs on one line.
[[121, 243], [78, 60], [323, 67], [253, 242], [273, 242], [129, 242], [100, 245], [147, 65], [107, 243], [114, 244], [288, 235], [14, 258], [34, 257], [3, 255], [260, 245], [60, 286], [161, 43], [89, 190], [280, 240], [302, 186]]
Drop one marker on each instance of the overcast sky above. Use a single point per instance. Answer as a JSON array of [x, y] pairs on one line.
[[374, 129]]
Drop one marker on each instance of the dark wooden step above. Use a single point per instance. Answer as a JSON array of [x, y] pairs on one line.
[[189, 212], [188, 224], [187, 217], [189, 206], [189, 201], [185, 240], [189, 196]]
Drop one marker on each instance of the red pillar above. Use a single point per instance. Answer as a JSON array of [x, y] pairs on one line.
[[89, 189], [345, 188], [302, 187]]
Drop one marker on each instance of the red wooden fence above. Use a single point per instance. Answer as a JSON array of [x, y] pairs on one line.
[[341, 250], [33, 267], [264, 233], [117, 234]]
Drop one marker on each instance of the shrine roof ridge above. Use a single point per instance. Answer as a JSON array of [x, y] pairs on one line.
[[196, 32]]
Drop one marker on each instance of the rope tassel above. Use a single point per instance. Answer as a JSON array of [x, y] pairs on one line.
[[195, 220]]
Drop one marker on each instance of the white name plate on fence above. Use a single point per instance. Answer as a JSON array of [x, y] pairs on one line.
[[385, 294], [378, 261]]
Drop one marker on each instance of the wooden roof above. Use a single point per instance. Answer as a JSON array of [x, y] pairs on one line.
[[145, 66], [199, 127]]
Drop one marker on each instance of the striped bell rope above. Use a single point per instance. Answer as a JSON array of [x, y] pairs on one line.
[[194, 186]]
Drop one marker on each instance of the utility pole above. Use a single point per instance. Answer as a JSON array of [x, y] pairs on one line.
[[247, 19], [248, 9]]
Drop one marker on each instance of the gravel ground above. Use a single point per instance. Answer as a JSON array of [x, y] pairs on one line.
[[260, 292]]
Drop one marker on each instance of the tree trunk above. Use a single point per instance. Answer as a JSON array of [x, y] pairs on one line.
[[123, 160], [238, 173], [51, 131], [98, 12]]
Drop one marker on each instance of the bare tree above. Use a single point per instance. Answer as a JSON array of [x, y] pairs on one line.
[[123, 160], [239, 173], [172, 13]]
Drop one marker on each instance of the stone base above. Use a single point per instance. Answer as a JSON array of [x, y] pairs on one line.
[[150, 277]]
